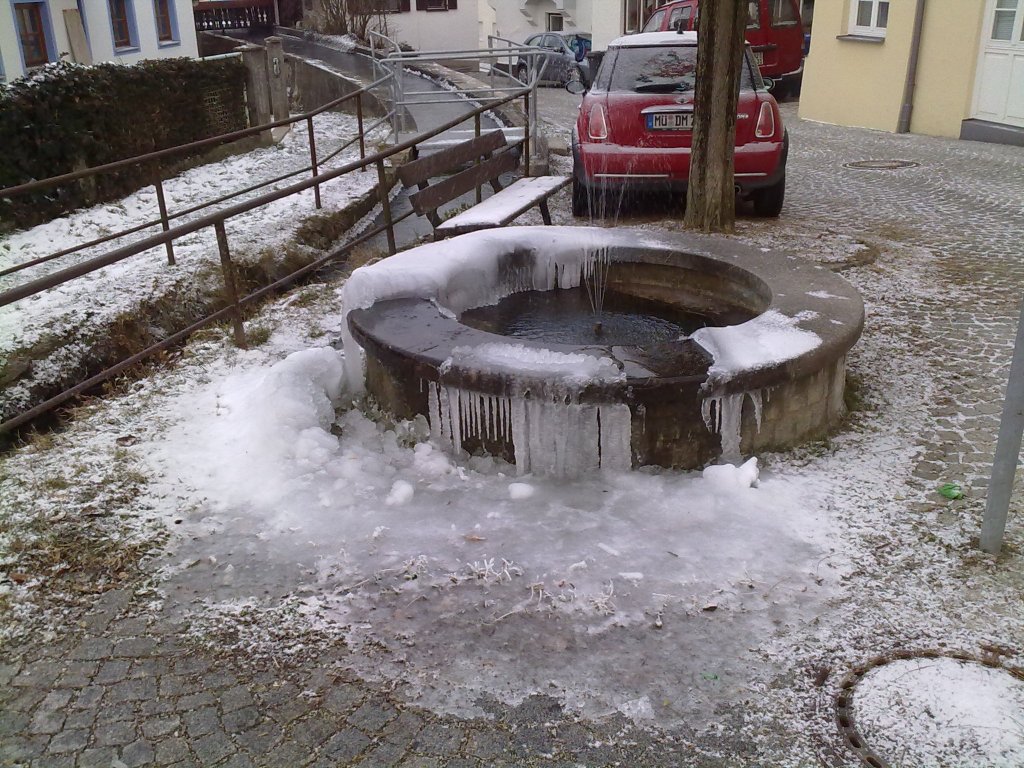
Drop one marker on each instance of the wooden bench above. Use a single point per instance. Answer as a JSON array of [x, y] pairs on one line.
[[488, 157]]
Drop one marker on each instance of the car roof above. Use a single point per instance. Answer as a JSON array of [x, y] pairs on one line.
[[654, 38]]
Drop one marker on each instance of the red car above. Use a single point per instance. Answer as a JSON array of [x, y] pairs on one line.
[[635, 126], [774, 31]]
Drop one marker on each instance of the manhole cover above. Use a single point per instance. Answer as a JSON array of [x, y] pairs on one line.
[[926, 708], [881, 165]]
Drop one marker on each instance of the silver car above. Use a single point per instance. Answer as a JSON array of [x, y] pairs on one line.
[[566, 59]]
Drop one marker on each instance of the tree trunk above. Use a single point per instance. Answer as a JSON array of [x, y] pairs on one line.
[[711, 197]]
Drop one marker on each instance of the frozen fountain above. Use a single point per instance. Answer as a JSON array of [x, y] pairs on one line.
[[569, 349]]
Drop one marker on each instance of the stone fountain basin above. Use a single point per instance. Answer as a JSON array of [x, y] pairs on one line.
[[683, 397]]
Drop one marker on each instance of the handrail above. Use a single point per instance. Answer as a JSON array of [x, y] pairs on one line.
[[218, 217], [52, 181]]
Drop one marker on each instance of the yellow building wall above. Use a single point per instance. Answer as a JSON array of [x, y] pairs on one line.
[[858, 83], [947, 66]]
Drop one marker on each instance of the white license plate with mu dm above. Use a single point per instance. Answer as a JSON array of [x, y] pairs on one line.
[[670, 121]]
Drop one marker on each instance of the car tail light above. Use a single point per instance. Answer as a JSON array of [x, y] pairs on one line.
[[597, 123], [765, 122]]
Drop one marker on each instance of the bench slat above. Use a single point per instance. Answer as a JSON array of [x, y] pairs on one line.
[[505, 206], [437, 163], [444, 191]]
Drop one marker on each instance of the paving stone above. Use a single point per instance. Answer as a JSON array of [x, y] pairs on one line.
[[97, 757], [419, 761], [341, 698], [437, 739], [12, 723], [288, 754], [80, 718], [201, 722], [372, 717], [46, 722], [134, 647], [170, 751], [346, 745], [115, 734], [92, 648], [68, 741], [113, 671], [155, 728], [193, 701], [238, 760], [38, 673], [212, 748], [313, 731], [138, 753], [77, 674], [177, 685], [261, 739], [89, 697], [489, 744], [235, 698], [386, 754], [240, 719], [131, 690]]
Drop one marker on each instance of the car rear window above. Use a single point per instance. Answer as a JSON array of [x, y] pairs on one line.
[[784, 13], [655, 69]]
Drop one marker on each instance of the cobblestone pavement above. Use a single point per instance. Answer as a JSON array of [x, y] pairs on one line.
[[118, 688]]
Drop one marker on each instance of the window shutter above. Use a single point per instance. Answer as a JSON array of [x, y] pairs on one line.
[[421, 5], [403, 6], [453, 5]]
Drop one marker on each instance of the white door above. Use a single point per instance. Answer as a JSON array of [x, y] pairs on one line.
[[999, 91]]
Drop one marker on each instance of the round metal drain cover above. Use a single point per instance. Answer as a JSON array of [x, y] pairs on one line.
[[919, 705], [881, 165]]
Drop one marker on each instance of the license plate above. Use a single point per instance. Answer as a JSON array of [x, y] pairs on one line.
[[758, 58], [670, 121]]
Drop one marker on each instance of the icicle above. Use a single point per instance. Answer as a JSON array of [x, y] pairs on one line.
[[755, 398]]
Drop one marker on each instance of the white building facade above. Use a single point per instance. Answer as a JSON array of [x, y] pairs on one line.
[[604, 20], [37, 32], [434, 25]]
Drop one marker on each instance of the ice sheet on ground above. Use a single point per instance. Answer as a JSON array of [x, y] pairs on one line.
[[435, 565]]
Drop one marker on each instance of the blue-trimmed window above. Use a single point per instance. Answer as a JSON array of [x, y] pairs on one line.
[[122, 24], [166, 22], [35, 33]]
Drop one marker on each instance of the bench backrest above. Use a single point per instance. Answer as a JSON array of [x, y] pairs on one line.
[[419, 172]]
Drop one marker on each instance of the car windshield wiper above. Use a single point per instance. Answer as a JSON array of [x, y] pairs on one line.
[[672, 87]]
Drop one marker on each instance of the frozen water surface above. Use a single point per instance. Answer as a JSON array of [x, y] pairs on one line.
[[644, 592]]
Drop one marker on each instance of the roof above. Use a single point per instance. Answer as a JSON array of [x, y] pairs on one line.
[[654, 38]]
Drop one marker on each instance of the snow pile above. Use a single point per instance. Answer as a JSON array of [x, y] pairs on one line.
[[770, 338], [926, 712], [560, 369]]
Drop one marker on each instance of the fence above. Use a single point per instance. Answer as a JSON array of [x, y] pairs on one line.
[[216, 219]]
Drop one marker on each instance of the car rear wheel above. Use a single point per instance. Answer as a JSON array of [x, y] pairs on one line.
[[768, 201]]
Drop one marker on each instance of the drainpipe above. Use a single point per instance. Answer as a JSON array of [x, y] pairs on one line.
[[903, 126]]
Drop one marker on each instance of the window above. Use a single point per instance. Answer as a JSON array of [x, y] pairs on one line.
[[555, 22], [753, 15], [1006, 15], [679, 18], [785, 13], [869, 17], [32, 32], [166, 28], [122, 23], [654, 23], [431, 5]]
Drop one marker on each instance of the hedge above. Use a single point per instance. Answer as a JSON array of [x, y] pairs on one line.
[[67, 116]]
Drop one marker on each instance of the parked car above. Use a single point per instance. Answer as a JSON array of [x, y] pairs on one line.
[[774, 31], [634, 128], [566, 60]]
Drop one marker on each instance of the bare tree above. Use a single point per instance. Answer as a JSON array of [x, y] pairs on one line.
[[711, 196], [352, 17]]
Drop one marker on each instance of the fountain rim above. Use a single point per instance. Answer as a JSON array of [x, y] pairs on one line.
[[830, 307]]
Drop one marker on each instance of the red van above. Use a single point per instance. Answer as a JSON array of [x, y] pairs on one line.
[[774, 31]]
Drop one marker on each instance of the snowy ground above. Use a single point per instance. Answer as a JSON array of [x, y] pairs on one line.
[[86, 307], [700, 607]]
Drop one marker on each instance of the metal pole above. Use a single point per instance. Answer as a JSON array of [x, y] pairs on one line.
[[526, 135], [385, 205], [229, 284], [164, 221], [359, 120], [312, 159], [1004, 465], [476, 132]]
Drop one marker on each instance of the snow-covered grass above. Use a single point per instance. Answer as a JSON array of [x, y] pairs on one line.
[[58, 327], [690, 600]]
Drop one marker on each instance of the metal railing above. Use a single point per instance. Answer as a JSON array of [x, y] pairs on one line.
[[155, 159], [216, 219]]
